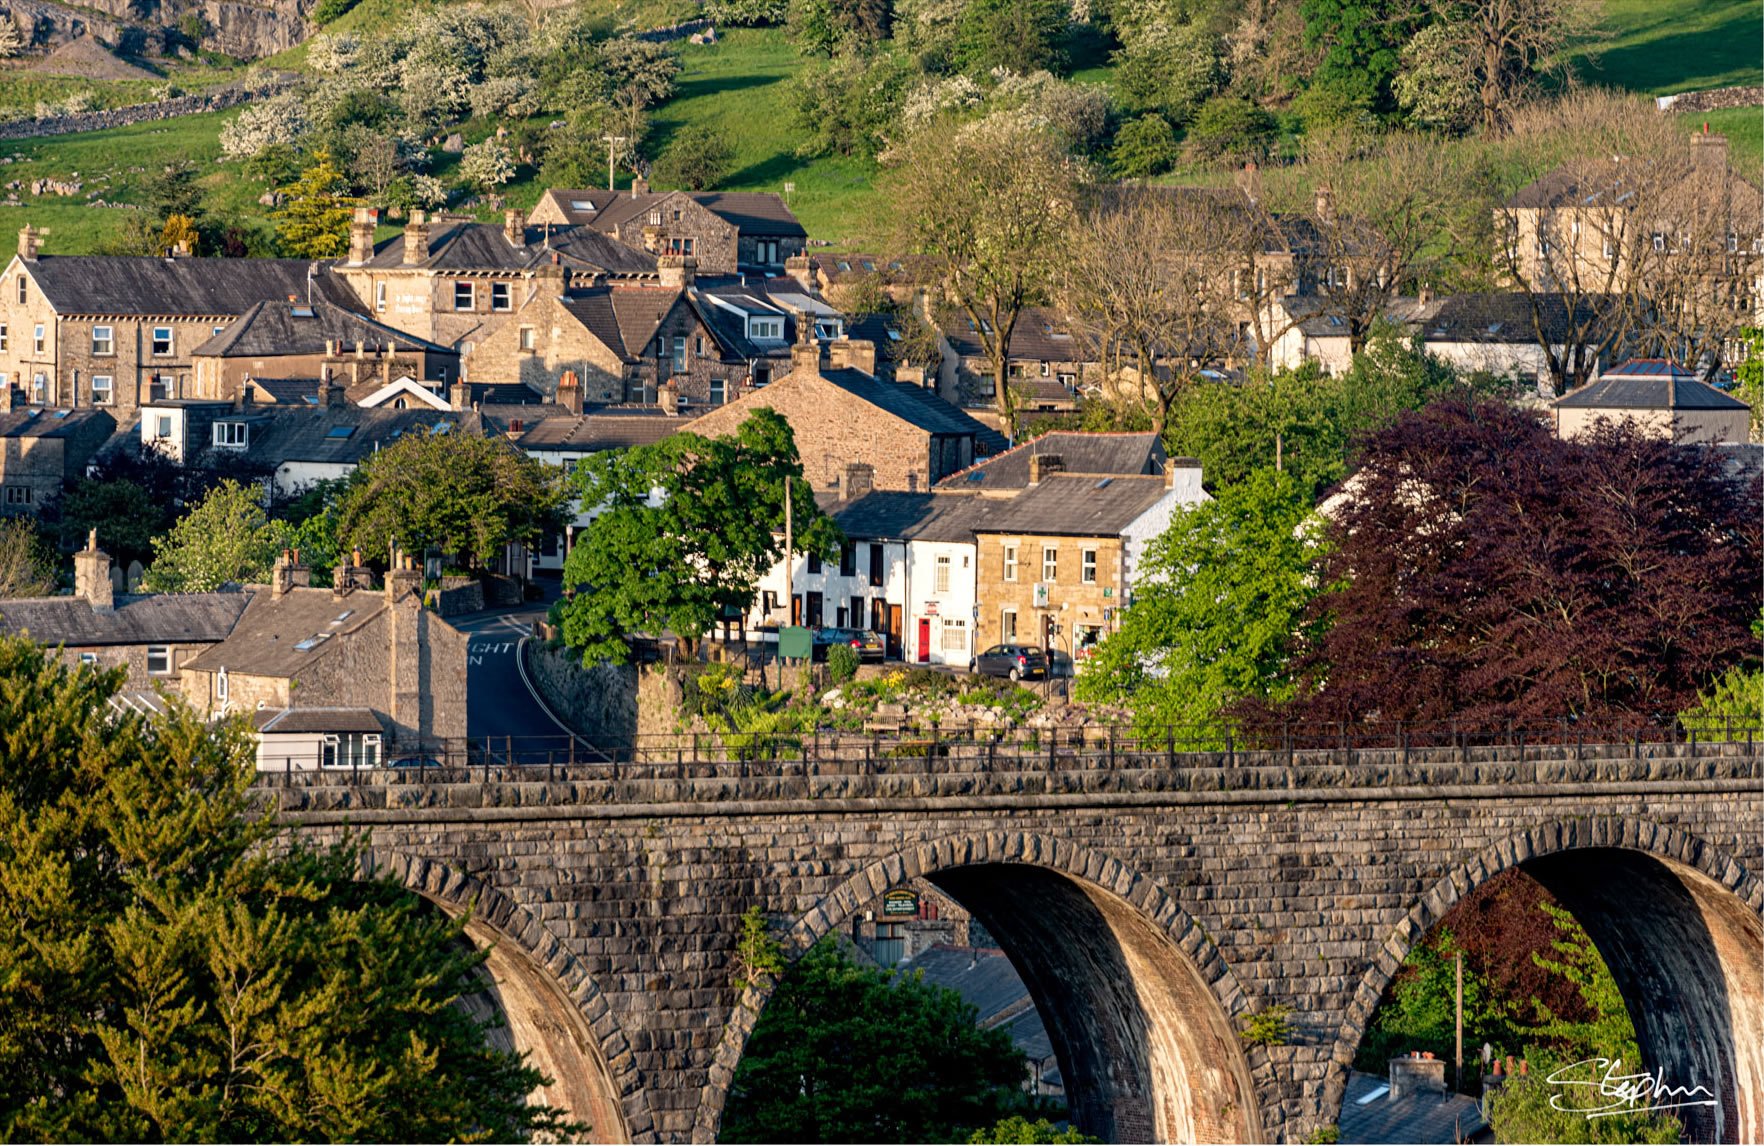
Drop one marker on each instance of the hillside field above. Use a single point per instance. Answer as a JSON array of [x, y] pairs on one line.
[[741, 86]]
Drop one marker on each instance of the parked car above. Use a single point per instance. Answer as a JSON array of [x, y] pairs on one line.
[[1018, 662], [415, 762], [868, 644]]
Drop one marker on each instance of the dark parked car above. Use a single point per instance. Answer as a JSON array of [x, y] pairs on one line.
[[868, 645], [1015, 661]]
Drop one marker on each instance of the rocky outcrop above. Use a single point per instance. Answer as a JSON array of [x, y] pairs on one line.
[[246, 31]]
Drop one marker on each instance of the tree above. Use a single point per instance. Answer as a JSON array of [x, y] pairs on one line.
[[1749, 379], [1484, 570], [682, 532], [1359, 42], [171, 977], [1145, 146], [829, 27], [1218, 610], [1021, 35], [277, 121], [1017, 1129], [1504, 46], [27, 568], [987, 205], [849, 106], [697, 159], [1435, 88], [313, 221], [643, 70], [845, 1053], [1170, 68], [464, 495], [171, 191], [1734, 701], [225, 538], [126, 516], [487, 164], [1230, 129]]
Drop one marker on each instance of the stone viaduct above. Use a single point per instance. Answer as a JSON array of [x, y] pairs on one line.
[[1150, 904]]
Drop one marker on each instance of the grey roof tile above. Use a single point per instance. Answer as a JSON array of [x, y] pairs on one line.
[[1080, 452], [1074, 505], [267, 638], [277, 327], [1648, 384], [131, 285], [163, 618]]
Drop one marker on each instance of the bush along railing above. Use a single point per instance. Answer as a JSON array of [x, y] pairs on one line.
[[941, 751]]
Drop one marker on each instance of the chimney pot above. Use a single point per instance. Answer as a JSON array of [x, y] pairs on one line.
[[92, 576]]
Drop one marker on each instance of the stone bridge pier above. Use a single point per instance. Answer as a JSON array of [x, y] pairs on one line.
[[1152, 906]]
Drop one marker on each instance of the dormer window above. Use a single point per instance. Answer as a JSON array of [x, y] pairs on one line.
[[230, 435], [765, 328], [829, 329]]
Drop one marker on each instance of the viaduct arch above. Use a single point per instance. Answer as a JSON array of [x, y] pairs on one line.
[[1185, 899]]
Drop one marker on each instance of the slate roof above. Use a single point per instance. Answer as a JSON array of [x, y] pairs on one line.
[[913, 404], [467, 247], [1501, 317], [42, 423], [145, 619], [893, 269], [277, 327], [601, 428], [985, 978], [752, 212], [1421, 1117], [910, 516], [134, 285], [504, 393], [1082, 453], [1076, 505], [313, 434], [292, 720], [1600, 183], [1042, 334], [1649, 384], [289, 391], [263, 642]]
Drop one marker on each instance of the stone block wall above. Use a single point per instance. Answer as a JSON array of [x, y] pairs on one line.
[[597, 702], [1217, 886]]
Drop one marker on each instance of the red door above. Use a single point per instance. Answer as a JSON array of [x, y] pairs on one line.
[[924, 640]]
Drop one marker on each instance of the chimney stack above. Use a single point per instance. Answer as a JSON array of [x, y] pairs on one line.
[[28, 240], [805, 353], [514, 227], [459, 395], [569, 392], [639, 186], [798, 268], [853, 354], [416, 239], [1414, 1074], [677, 271], [1709, 154], [667, 396], [92, 576], [1042, 465], [856, 480], [1183, 472], [1325, 203], [361, 237], [1249, 181], [282, 575]]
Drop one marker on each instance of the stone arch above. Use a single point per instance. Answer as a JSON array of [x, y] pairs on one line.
[[555, 1012], [1148, 1046], [1705, 923]]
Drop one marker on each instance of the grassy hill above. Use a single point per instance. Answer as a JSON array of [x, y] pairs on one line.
[[741, 86]]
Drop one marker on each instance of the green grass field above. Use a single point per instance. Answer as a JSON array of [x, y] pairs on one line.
[[741, 87]]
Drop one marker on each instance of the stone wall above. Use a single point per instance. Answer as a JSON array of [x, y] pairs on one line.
[[1714, 99], [598, 703], [458, 595], [1151, 903], [217, 100]]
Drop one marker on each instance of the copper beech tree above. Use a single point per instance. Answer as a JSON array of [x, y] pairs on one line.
[[1485, 571]]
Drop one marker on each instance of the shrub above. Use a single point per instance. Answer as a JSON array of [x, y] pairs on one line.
[[697, 159], [747, 13], [1145, 146], [842, 663], [1228, 128], [1269, 1027], [329, 10]]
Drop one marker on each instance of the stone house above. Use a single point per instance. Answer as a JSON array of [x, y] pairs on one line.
[[841, 413], [1662, 398], [1007, 474], [302, 649], [278, 339], [152, 636], [726, 231], [118, 332], [1055, 564], [454, 281], [1498, 333], [41, 450], [1047, 363]]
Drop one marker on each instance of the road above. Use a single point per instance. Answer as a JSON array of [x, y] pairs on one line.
[[498, 703]]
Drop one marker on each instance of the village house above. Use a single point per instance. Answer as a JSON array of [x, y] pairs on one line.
[[1659, 397], [151, 636], [454, 281], [1086, 452], [1498, 333], [42, 450], [1046, 363], [1056, 563], [297, 650], [841, 412], [284, 340], [118, 332], [726, 231]]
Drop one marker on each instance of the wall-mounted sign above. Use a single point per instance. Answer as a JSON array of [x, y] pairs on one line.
[[930, 608], [900, 901], [1040, 595]]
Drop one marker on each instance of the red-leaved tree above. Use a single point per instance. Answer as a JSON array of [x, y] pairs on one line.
[[1485, 571]]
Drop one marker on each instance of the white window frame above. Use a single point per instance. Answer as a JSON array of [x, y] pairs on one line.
[[529, 338], [1007, 626], [348, 750], [39, 342], [506, 300], [162, 653], [231, 435], [1087, 566], [940, 575], [103, 390], [104, 340], [678, 361], [169, 340], [765, 328], [380, 296], [5, 341], [467, 290], [954, 638], [1050, 564], [1010, 562]]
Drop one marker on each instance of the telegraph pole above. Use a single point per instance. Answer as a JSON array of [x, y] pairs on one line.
[[612, 141], [1458, 967]]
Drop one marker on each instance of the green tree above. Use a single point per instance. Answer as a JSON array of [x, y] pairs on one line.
[[1021, 35], [226, 537], [466, 496], [697, 158], [1419, 1009], [487, 164], [1017, 1129], [1749, 379], [1169, 68], [1145, 146], [125, 515], [313, 221], [675, 562], [1230, 129], [1360, 42], [169, 977], [1217, 611], [846, 1053], [27, 568]]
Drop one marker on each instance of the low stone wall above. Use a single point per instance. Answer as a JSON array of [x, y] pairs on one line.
[[218, 100], [458, 596], [500, 592], [597, 703], [1714, 99]]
